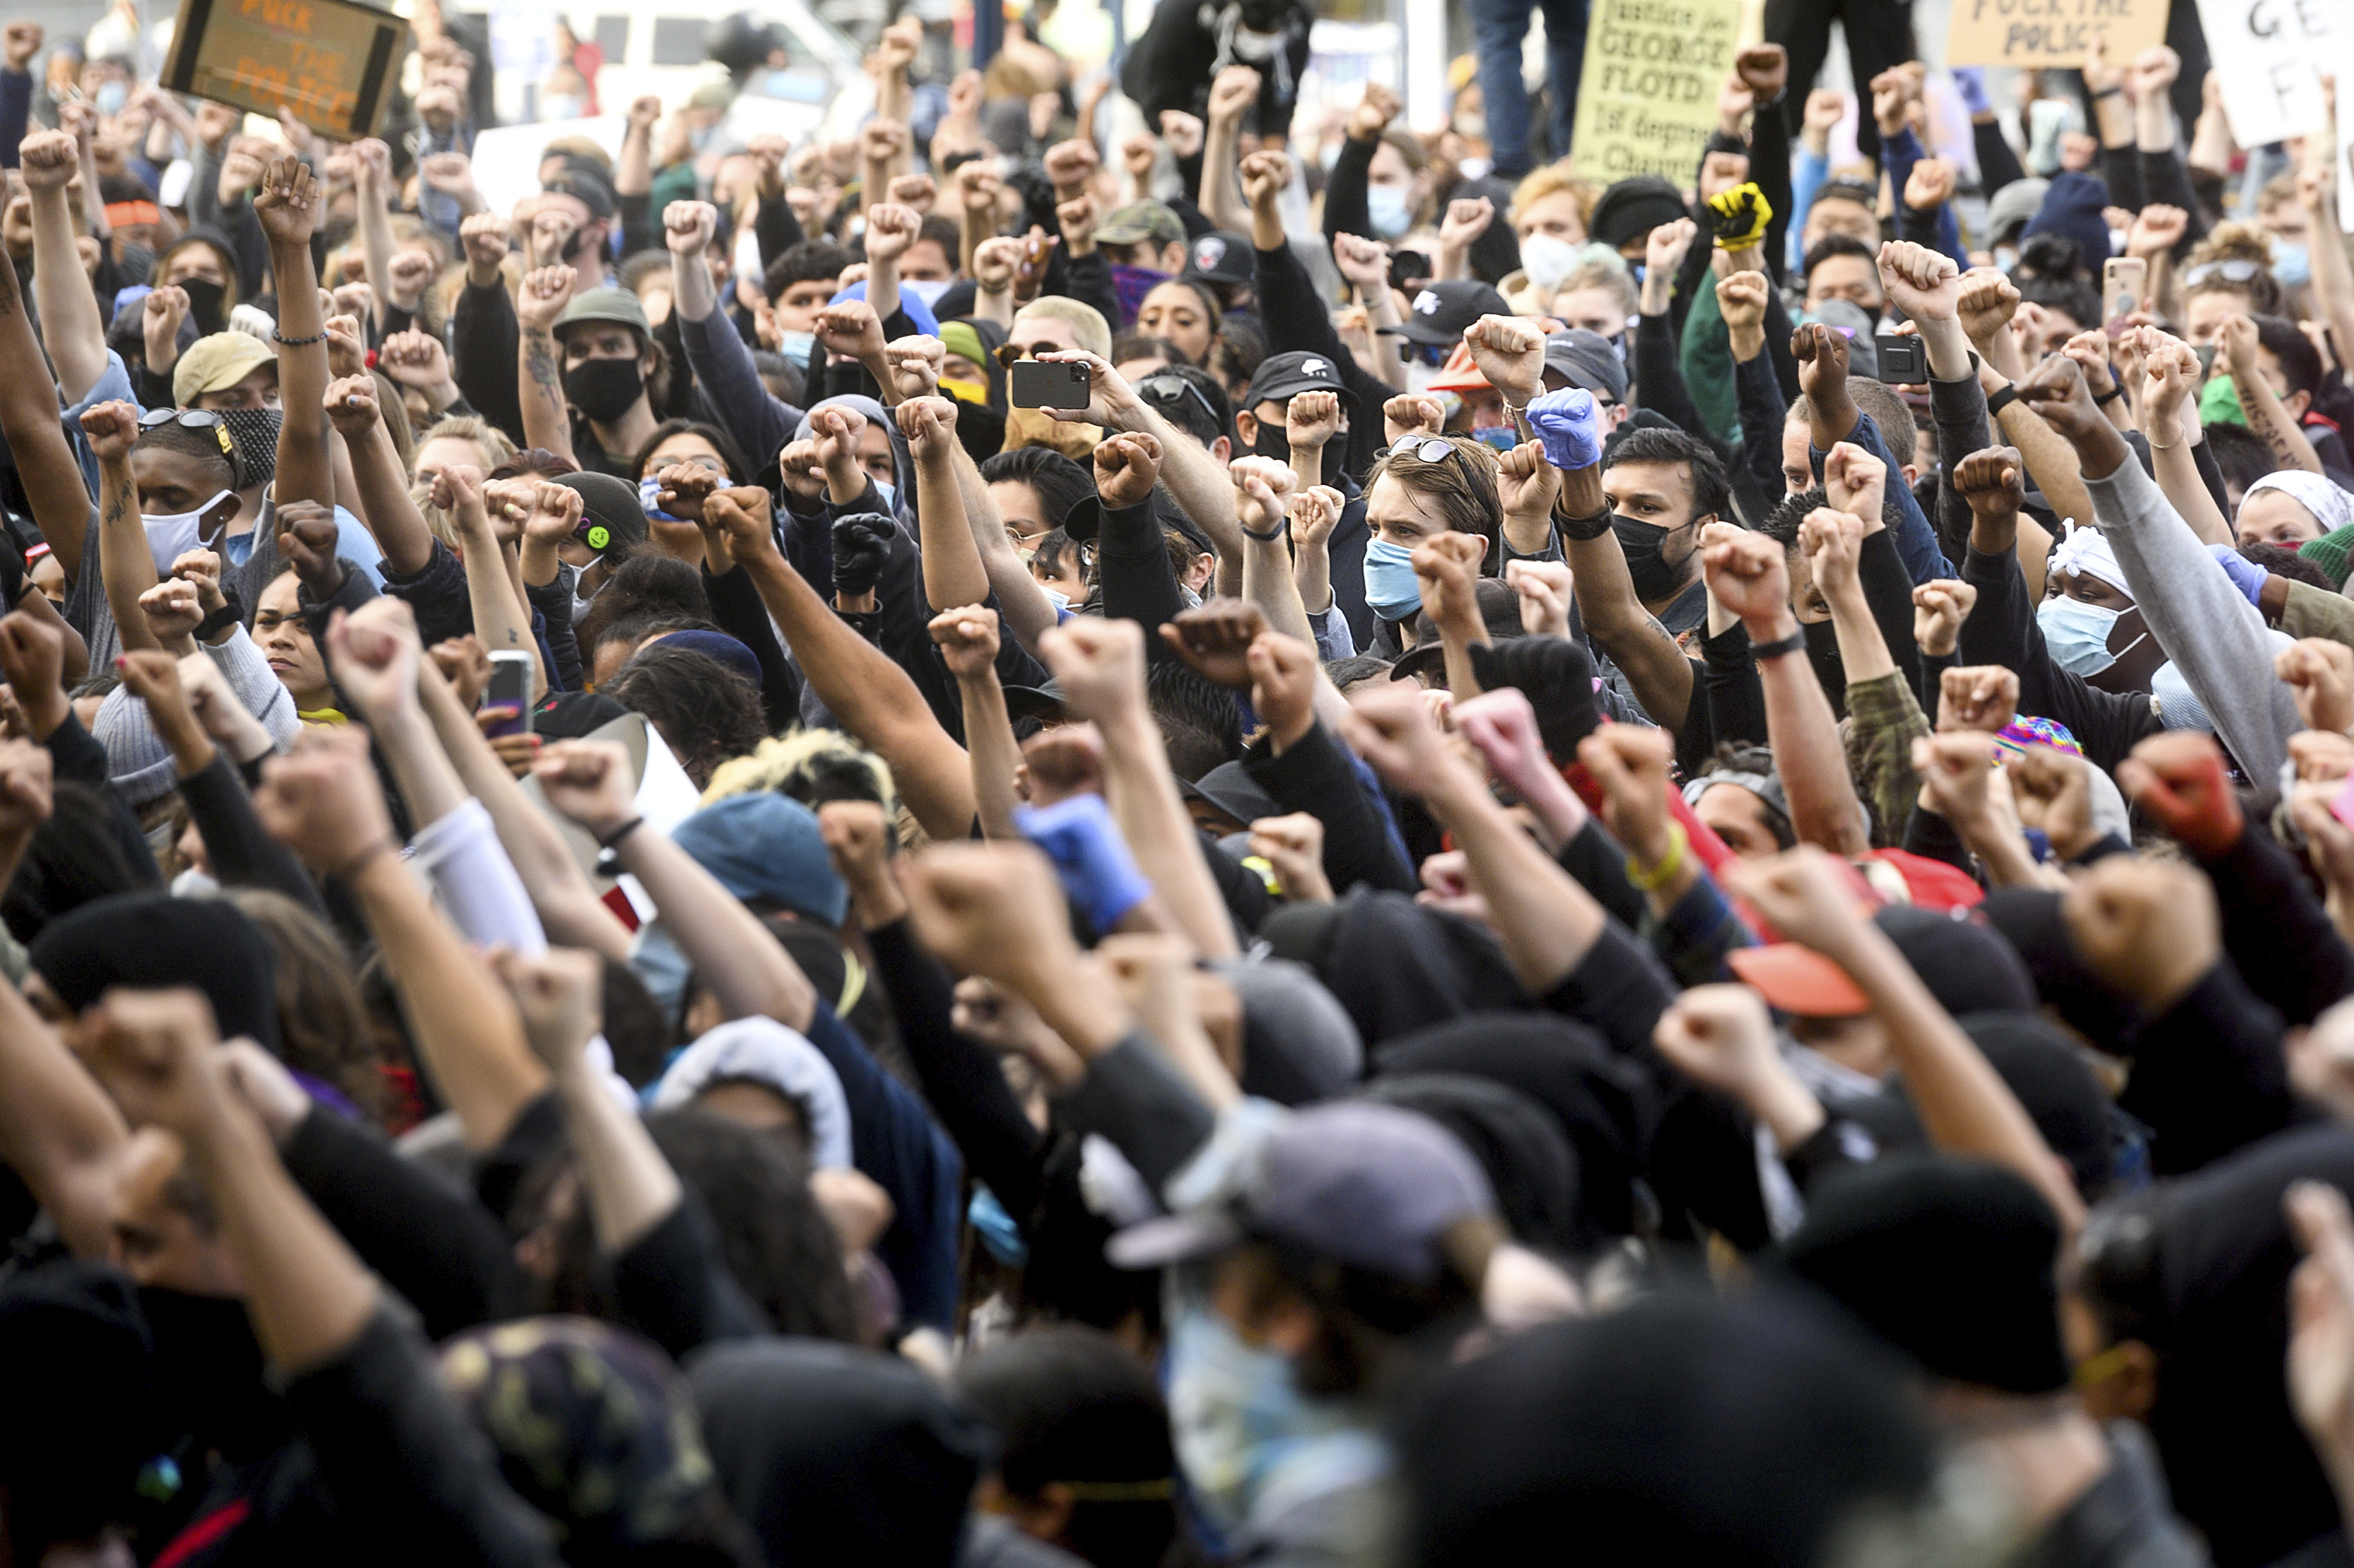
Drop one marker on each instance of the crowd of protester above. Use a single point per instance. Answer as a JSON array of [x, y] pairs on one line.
[[1549, 867]]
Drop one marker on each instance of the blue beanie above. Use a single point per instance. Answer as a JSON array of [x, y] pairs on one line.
[[731, 653], [2072, 209], [765, 848]]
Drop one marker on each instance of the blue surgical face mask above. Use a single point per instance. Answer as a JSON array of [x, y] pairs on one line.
[[796, 345], [1061, 601], [2077, 634], [111, 97], [1391, 591], [1231, 1406], [1503, 437], [2292, 262], [1387, 207], [561, 106]]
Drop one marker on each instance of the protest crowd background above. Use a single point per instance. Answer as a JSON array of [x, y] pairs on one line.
[[1219, 785]]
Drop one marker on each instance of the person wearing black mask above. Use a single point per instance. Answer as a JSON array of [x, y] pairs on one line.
[[1664, 487], [609, 359]]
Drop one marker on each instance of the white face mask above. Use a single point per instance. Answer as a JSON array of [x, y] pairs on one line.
[[1547, 259], [171, 536], [927, 289]]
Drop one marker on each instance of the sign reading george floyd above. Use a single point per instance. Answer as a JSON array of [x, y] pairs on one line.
[[329, 63], [1647, 98], [2051, 32]]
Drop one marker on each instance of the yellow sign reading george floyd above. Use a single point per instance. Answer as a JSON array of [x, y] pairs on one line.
[[1647, 98], [2051, 32], [329, 63]]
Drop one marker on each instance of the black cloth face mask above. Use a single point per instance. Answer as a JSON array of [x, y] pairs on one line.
[[604, 389], [1646, 550]]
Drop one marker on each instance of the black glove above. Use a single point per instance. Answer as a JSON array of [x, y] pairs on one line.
[[861, 547]]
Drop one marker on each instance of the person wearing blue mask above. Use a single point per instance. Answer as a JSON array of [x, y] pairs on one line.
[[1423, 487], [1380, 186]]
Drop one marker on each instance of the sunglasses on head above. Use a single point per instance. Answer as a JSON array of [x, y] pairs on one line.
[[1429, 449], [2236, 270], [1162, 388], [192, 419]]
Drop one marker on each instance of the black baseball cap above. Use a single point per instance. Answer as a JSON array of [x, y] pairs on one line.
[[1584, 358], [585, 185], [1220, 256], [1439, 312], [1283, 377]]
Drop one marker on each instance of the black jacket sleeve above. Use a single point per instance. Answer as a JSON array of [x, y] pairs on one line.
[[2121, 168], [2208, 1076], [673, 1286], [1133, 571], [776, 229], [1769, 166], [1088, 280], [1998, 165], [1736, 698], [75, 754], [1297, 319], [1345, 208], [1661, 380], [963, 1082], [240, 853], [1758, 402], [410, 1474], [1888, 589], [437, 592], [484, 345], [1314, 777], [424, 1236], [1959, 410], [2165, 178], [736, 610], [553, 600], [2277, 933]]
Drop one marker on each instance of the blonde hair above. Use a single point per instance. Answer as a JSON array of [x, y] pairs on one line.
[[1552, 180], [790, 763], [488, 439], [1086, 322]]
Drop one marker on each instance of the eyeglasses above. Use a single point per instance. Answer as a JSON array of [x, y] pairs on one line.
[[1429, 449], [2236, 270], [1162, 388]]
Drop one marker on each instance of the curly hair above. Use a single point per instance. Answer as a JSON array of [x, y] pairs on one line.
[[811, 766]]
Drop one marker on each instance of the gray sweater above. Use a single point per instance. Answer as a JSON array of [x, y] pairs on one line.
[[2215, 637]]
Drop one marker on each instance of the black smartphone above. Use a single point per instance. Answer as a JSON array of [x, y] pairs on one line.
[[1903, 359], [509, 688], [1048, 384]]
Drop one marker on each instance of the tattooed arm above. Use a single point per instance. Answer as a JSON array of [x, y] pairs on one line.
[[547, 422]]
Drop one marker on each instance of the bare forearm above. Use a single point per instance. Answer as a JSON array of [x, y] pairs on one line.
[[1631, 635], [1805, 743], [71, 326], [501, 623], [304, 472], [953, 573], [993, 752], [631, 1188], [1199, 483], [732, 952], [58, 1130], [1023, 606], [1144, 801], [633, 173], [545, 423], [1965, 1107], [1547, 922], [309, 1296], [2050, 461], [568, 907], [2270, 420], [463, 1023], [376, 246], [1267, 583], [875, 699], [126, 563], [1863, 652], [391, 515], [2178, 480], [1221, 190]]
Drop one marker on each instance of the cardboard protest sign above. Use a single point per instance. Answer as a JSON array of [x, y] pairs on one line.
[[2269, 55], [2051, 32], [1647, 99], [329, 63]]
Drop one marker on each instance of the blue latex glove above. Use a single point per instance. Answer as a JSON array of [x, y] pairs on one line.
[[1099, 873], [1569, 424], [2245, 575], [1970, 83]]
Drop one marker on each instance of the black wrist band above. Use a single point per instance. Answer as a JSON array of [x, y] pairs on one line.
[[227, 614], [1999, 400], [1584, 529], [1791, 644], [612, 841], [1271, 536], [285, 342], [2115, 391], [2108, 93]]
